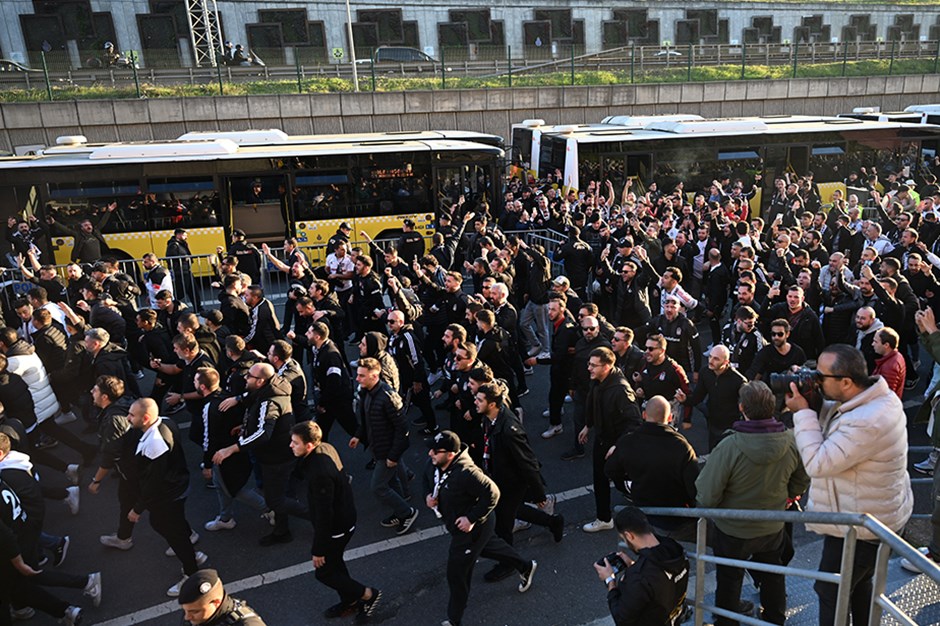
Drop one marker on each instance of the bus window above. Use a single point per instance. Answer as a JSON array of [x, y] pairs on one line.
[[386, 184], [321, 195], [521, 147], [613, 171], [260, 204], [72, 202], [827, 163], [740, 163], [181, 203], [470, 181], [18, 200]]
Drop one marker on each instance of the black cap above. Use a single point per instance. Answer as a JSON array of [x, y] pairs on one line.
[[410, 223], [238, 232], [626, 242], [345, 226], [198, 585], [444, 441], [100, 267]]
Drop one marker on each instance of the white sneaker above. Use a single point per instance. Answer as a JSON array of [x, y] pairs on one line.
[[201, 558], [112, 541], [220, 524], [65, 418], [546, 413], [174, 591], [520, 525], [552, 431], [568, 399], [597, 526], [73, 499], [71, 472], [269, 515], [543, 356], [73, 616], [193, 539], [93, 588], [910, 567]]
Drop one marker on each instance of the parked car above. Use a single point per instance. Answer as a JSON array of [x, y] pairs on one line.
[[399, 54]]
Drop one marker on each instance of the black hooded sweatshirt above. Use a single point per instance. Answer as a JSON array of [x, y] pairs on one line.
[[375, 348], [652, 590]]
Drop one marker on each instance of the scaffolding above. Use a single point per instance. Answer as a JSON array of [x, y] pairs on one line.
[[204, 31]]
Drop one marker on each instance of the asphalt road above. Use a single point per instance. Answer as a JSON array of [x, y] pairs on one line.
[[278, 581]]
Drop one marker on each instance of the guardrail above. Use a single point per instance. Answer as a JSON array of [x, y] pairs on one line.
[[478, 61], [887, 538]]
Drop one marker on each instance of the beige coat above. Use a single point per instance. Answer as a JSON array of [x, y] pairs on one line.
[[856, 455]]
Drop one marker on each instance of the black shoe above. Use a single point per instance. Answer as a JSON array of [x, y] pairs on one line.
[[523, 392], [746, 607], [572, 454], [272, 539], [390, 522], [557, 526], [61, 551], [370, 465], [911, 383], [405, 525], [420, 422], [499, 572], [367, 607], [46, 442], [341, 610]]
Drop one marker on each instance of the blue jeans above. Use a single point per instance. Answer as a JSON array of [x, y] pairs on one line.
[[246, 495], [390, 486]]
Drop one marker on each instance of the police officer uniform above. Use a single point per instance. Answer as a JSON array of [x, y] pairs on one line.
[[231, 612]]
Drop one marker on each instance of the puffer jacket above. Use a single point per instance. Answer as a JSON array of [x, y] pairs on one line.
[[375, 348], [267, 422], [23, 360], [856, 455], [381, 423]]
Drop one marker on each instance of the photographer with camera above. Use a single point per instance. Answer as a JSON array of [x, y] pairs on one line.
[[854, 446], [649, 590]]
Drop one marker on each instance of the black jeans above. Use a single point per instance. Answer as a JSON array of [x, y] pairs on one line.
[[334, 574], [88, 450], [463, 553], [333, 414], [559, 376], [275, 479], [862, 570], [773, 590], [601, 482], [126, 498], [28, 593], [168, 519]]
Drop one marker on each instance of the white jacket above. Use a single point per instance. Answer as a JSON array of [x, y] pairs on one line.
[[856, 455], [30, 368]]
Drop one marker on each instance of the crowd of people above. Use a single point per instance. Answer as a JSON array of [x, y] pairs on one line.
[[649, 307]]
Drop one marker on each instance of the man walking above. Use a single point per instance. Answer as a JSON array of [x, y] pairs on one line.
[[464, 498], [333, 515], [163, 483]]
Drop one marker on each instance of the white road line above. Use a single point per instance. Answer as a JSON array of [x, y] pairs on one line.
[[306, 567]]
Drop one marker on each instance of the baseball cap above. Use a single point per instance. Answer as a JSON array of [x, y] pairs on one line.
[[561, 281], [238, 232], [410, 223], [345, 226], [444, 441]]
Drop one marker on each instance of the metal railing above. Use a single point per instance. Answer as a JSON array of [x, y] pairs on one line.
[[292, 69], [887, 539]]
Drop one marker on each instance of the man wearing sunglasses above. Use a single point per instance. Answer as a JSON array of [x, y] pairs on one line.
[[855, 451], [779, 356]]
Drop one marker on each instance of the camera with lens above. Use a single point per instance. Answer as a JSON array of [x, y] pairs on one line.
[[616, 563], [805, 379]]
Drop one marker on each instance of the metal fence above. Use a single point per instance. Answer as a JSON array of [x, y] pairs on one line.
[[886, 538], [293, 68]]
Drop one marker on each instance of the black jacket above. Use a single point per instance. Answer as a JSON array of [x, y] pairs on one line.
[[722, 407], [805, 329], [111, 360], [162, 473], [512, 463], [235, 314], [234, 612], [463, 491], [331, 376], [578, 259], [217, 426], [293, 373], [652, 591], [381, 423], [113, 427], [611, 409], [661, 465], [329, 496], [267, 423], [265, 326], [375, 348], [406, 348], [16, 399], [110, 319], [51, 345]]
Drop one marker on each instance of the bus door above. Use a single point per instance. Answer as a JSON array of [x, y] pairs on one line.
[[259, 205], [639, 168]]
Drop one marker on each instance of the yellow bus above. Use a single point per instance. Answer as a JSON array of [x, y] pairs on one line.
[[265, 183]]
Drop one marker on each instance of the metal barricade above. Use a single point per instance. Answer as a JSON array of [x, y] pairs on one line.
[[887, 539]]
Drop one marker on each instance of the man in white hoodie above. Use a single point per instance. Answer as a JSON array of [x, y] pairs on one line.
[[855, 452]]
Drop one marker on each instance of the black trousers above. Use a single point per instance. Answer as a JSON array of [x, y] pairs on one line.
[[601, 482], [27, 593], [344, 415], [463, 553], [334, 574], [773, 589], [169, 521], [274, 479], [126, 499], [559, 376], [88, 450], [862, 570]]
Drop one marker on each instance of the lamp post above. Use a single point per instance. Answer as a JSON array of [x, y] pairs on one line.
[[352, 47]]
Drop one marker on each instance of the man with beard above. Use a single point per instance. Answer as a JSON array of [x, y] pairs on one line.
[[682, 338], [779, 356], [720, 381], [742, 338]]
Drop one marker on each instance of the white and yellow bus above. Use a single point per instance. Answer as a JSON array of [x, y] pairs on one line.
[[265, 183]]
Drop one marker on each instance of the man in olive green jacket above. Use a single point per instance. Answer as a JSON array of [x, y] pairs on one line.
[[757, 466]]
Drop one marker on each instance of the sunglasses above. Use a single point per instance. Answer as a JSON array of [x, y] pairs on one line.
[[589, 328], [778, 334], [652, 348]]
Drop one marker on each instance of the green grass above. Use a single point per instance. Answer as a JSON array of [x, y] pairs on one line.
[[560, 78]]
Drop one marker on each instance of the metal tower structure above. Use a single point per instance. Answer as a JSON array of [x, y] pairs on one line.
[[204, 31]]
